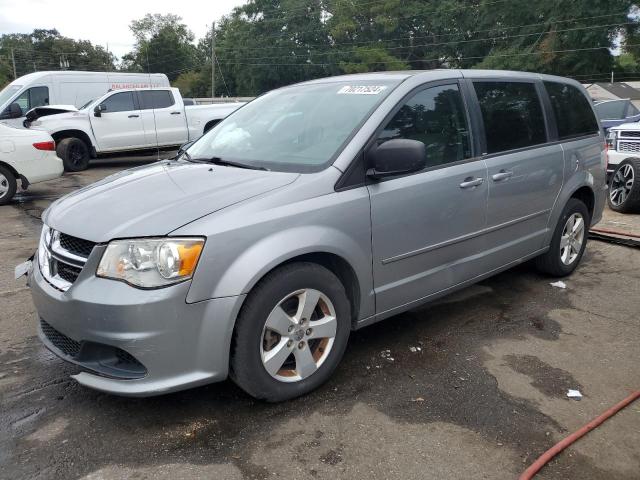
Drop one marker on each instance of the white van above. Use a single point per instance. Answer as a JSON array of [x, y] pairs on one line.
[[66, 88]]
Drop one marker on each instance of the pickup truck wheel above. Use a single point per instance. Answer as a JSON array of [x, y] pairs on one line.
[[624, 187], [8, 185], [291, 332], [568, 242], [74, 154]]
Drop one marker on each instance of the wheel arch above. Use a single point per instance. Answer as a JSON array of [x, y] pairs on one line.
[[583, 188], [587, 196], [72, 133], [12, 169]]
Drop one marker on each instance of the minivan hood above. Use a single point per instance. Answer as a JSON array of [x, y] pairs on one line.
[[156, 199]]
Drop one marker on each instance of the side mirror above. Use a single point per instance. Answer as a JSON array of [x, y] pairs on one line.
[[396, 157], [12, 111], [97, 111]]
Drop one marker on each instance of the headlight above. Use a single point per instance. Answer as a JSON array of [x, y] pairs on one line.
[[611, 140], [151, 262]]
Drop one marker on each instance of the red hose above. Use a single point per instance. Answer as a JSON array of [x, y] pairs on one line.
[[615, 232], [564, 443]]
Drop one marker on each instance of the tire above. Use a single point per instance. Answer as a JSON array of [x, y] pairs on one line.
[[8, 185], [560, 261], [254, 345], [624, 187], [74, 154]]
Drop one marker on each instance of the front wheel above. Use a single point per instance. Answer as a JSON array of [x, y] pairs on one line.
[[624, 187], [291, 332], [8, 185], [568, 242]]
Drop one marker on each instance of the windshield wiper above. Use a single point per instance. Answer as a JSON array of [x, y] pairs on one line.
[[228, 163], [220, 161]]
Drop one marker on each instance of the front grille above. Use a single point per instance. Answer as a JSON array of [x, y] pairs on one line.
[[66, 345], [68, 272], [630, 133], [75, 245], [629, 147]]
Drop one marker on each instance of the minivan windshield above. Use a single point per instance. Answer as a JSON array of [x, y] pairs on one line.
[[295, 129], [8, 92]]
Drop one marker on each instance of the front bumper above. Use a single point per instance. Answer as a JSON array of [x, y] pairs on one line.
[[178, 345]]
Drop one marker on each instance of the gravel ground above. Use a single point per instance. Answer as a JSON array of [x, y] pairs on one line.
[[476, 389]]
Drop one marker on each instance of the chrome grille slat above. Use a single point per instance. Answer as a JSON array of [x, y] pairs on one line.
[[628, 147], [59, 265]]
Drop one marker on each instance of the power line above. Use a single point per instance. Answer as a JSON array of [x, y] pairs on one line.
[[455, 42]]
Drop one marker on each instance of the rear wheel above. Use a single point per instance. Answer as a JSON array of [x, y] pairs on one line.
[[8, 185], [74, 154], [568, 242], [624, 187], [291, 332]]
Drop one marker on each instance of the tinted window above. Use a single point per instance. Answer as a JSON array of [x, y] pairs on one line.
[[435, 117], [512, 115], [120, 102], [155, 99], [572, 110]]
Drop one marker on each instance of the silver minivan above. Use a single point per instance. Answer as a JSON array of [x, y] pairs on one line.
[[314, 210]]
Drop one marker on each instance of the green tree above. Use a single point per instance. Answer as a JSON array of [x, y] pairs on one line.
[[48, 50], [163, 45]]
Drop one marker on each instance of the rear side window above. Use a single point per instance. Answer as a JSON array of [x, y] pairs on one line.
[[572, 110], [119, 102], [435, 117], [512, 115], [155, 99]]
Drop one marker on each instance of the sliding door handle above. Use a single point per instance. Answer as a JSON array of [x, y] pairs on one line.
[[502, 175], [175, 113], [471, 182]]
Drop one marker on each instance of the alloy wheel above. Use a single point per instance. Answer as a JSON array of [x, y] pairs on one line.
[[572, 238], [621, 185], [298, 335], [4, 185]]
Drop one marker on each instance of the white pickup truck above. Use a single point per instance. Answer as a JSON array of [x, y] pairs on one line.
[[123, 121]]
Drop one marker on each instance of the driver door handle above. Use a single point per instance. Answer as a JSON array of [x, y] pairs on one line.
[[134, 116], [175, 113], [502, 175], [471, 182]]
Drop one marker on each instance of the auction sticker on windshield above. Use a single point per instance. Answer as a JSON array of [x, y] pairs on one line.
[[361, 89]]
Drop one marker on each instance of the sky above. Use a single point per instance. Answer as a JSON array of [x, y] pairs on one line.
[[106, 22]]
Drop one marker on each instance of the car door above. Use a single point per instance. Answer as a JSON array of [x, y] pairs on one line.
[[426, 227], [525, 170], [119, 126], [169, 117]]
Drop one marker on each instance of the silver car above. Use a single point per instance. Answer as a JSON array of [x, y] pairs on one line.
[[314, 210]]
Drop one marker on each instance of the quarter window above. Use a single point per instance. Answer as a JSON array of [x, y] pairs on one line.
[[119, 102], [436, 117], [574, 115], [512, 115], [155, 99]]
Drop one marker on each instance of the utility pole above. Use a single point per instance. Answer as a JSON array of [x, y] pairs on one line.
[[611, 76], [213, 61], [13, 59]]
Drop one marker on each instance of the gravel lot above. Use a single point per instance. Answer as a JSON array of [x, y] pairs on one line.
[[483, 396]]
